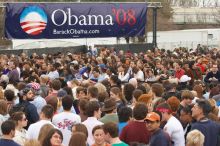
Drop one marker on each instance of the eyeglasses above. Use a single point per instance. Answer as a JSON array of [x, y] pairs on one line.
[[24, 119]]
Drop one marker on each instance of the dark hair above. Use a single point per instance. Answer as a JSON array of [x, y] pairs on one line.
[[116, 80], [111, 128], [91, 107], [128, 90], [82, 105], [78, 139], [137, 93], [158, 89], [53, 101], [46, 141], [9, 95], [140, 111], [48, 111], [67, 102], [187, 109], [68, 90], [204, 105], [93, 91], [56, 84], [7, 127], [96, 128], [124, 114], [17, 116], [164, 106], [142, 88]]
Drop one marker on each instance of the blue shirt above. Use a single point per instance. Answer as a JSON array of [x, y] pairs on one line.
[[160, 138], [7, 142], [121, 126], [209, 129]]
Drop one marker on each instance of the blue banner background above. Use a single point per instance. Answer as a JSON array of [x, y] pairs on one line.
[[128, 19]]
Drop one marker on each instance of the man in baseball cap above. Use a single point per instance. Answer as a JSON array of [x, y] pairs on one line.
[[158, 137]]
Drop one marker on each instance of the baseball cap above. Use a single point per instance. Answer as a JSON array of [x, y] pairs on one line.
[[152, 116]]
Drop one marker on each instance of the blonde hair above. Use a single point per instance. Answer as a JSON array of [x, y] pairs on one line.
[[101, 88], [195, 138], [32, 142]]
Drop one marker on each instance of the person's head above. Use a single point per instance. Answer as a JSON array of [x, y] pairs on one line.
[[93, 109], [98, 135], [80, 92], [124, 114], [53, 101], [32, 142], [9, 95], [54, 138], [109, 106], [157, 89], [78, 139], [8, 128], [47, 112], [20, 119], [80, 128], [110, 130], [214, 68], [152, 121], [127, 91], [101, 88], [165, 110], [195, 138], [116, 93], [67, 102], [27, 94], [56, 84], [174, 103], [92, 92], [140, 111], [137, 93], [201, 109], [82, 106], [186, 114], [147, 99], [3, 107], [44, 130], [187, 97]]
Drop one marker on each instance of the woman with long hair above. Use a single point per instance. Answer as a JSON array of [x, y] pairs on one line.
[[54, 138], [21, 122], [78, 139], [3, 113], [44, 130]]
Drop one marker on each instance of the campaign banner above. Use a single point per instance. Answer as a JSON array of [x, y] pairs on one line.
[[74, 20]]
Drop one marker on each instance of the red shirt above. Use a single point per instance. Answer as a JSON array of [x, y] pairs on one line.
[[201, 67], [135, 132], [179, 73]]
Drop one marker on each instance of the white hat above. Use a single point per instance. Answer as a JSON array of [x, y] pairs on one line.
[[184, 78]]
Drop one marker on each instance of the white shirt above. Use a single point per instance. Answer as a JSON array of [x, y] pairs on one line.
[[34, 129], [90, 123], [123, 78], [20, 136], [64, 122], [53, 75], [139, 76], [175, 131]]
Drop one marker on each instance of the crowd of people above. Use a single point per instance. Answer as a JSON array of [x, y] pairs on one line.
[[107, 97]]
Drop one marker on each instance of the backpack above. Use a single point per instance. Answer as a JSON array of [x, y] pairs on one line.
[[20, 107]]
